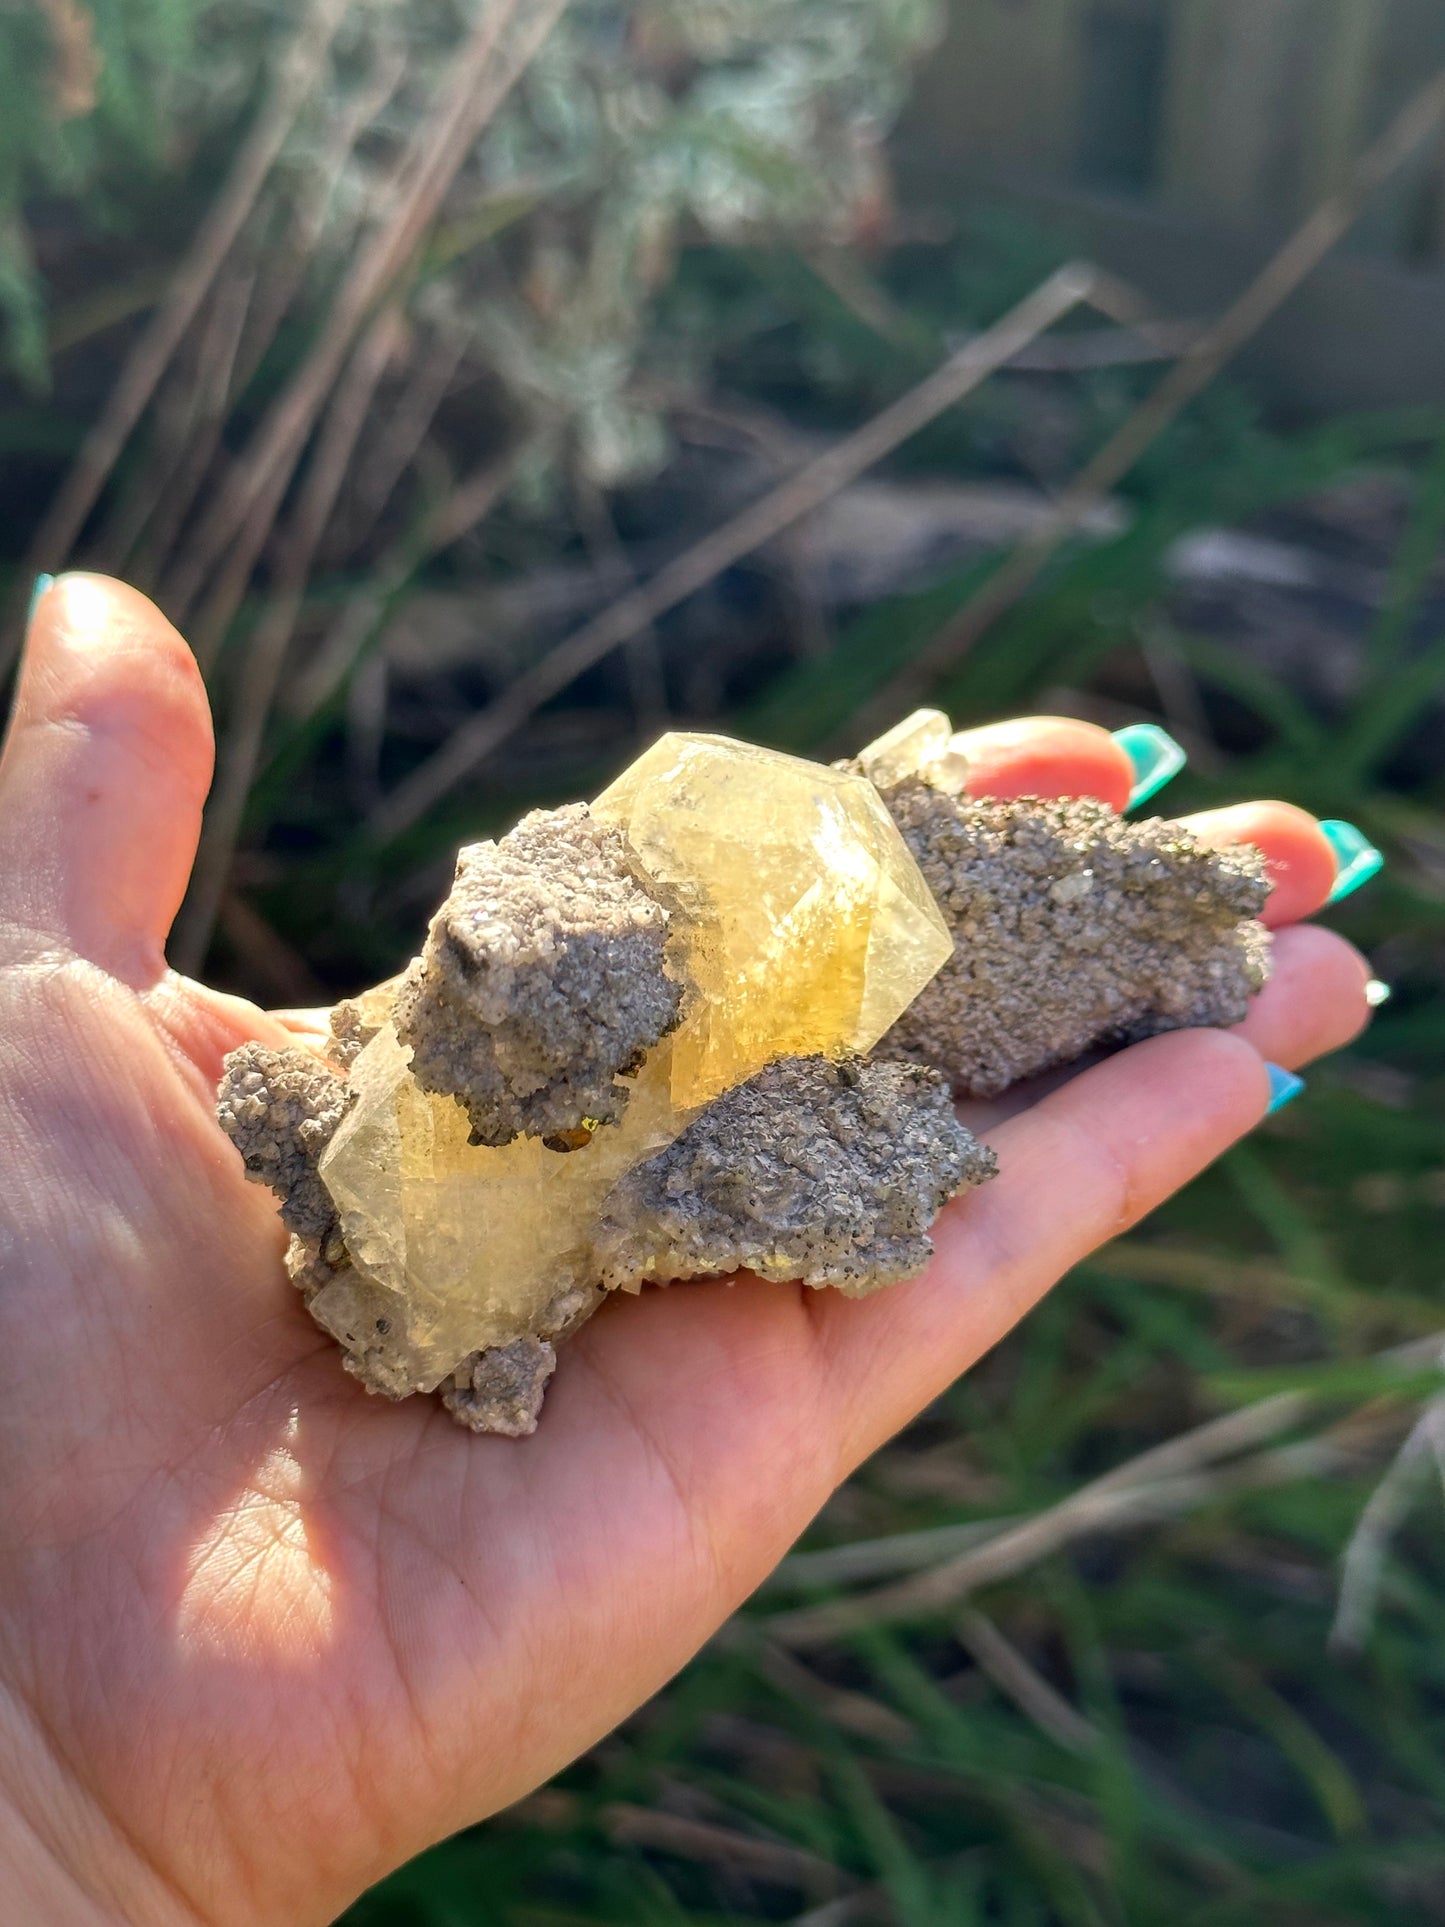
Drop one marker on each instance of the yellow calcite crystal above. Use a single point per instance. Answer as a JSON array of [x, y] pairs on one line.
[[922, 745], [801, 925], [477, 1244], [805, 925]]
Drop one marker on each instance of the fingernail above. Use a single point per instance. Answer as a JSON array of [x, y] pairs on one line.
[[1156, 757], [42, 583], [1377, 993], [1356, 858], [1284, 1088]]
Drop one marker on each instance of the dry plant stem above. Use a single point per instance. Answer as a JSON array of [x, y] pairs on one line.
[[703, 1841], [472, 500], [314, 201], [1084, 1512], [1388, 1507], [392, 453], [263, 316], [1193, 372], [1157, 1485], [480, 79], [358, 624], [880, 1558], [297, 76], [778, 510], [187, 434], [270, 961], [241, 746], [850, 1711], [1002, 1663], [646, 681]]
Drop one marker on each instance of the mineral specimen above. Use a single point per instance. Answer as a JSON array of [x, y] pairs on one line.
[[636, 1045], [808, 928], [542, 981], [1072, 929], [797, 923], [827, 1173], [922, 745], [472, 1244], [279, 1109]]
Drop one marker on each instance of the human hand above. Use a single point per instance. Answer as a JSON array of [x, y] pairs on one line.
[[262, 1637]]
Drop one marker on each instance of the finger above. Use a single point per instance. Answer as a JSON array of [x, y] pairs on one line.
[[1314, 1001], [1301, 862], [1082, 1166], [103, 777], [1047, 756]]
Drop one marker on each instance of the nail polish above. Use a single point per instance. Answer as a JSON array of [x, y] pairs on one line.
[[42, 583], [1156, 757], [1356, 858], [1377, 993], [1284, 1088]]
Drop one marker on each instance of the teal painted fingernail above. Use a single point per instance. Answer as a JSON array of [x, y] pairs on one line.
[[1377, 993], [1356, 858], [1284, 1088], [42, 583], [1156, 757]]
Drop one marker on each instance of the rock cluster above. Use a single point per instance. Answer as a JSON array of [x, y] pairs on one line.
[[711, 1024]]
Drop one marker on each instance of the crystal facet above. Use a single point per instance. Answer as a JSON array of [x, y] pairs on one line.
[[806, 926], [922, 745], [475, 1243]]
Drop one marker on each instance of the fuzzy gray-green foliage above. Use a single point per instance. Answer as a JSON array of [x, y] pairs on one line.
[[640, 123], [127, 56]]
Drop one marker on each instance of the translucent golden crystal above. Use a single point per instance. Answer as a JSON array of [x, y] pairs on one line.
[[805, 922], [476, 1243], [922, 745], [803, 926]]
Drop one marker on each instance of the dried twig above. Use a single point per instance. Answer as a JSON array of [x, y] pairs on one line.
[[188, 428], [274, 965], [1386, 1511], [286, 270], [1159, 1484], [483, 74], [314, 199], [297, 73], [880, 1558], [704, 1841], [1193, 372], [406, 427], [266, 651], [756, 525], [358, 624], [1002, 1662]]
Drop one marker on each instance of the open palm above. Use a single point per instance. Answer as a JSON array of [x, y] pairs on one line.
[[263, 1637]]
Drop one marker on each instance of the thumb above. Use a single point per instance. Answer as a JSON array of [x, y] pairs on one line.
[[102, 780]]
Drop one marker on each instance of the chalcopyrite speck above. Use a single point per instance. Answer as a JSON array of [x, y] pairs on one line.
[[712, 1022]]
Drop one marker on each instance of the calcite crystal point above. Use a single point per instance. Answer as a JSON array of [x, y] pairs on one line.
[[474, 1245], [709, 1024], [807, 926]]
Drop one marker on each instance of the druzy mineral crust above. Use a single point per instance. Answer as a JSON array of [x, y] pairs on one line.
[[827, 1173], [542, 983], [1072, 929], [279, 1109], [709, 1024]]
